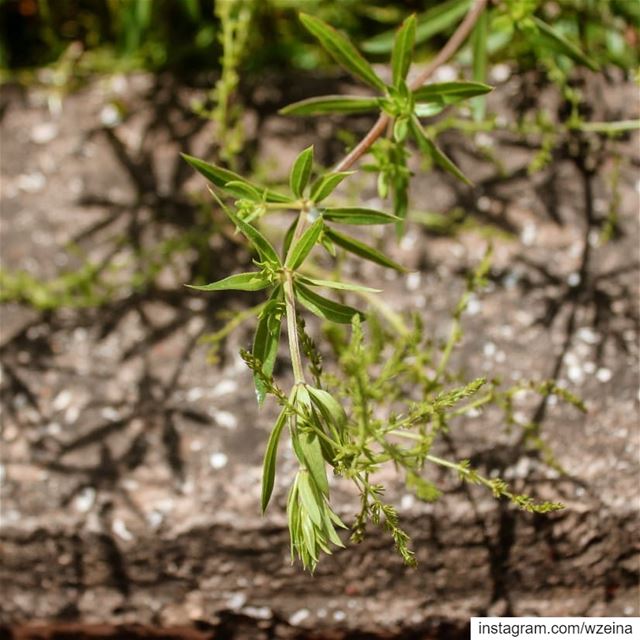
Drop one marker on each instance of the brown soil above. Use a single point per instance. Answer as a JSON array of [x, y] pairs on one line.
[[131, 466]]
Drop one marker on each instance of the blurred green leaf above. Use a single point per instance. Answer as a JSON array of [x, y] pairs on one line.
[[223, 177], [267, 339], [325, 185], [270, 459], [403, 50], [301, 172], [342, 50], [331, 104], [430, 23], [301, 250], [254, 281], [358, 216], [429, 147], [325, 308], [333, 284], [361, 249], [556, 41]]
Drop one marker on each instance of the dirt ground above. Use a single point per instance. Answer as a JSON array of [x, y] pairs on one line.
[[131, 465]]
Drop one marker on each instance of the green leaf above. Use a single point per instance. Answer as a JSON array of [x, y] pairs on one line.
[[331, 104], [301, 172], [479, 48], [262, 245], [301, 250], [361, 249], [446, 93], [332, 284], [248, 191], [253, 281], [403, 50], [358, 215], [332, 411], [400, 129], [314, 461], [270, 459], [325, 308], [342, 50], [555, 40], [310, 502], [430, 23], [435, 153], [325, 185], [223, 178], [267, 339]]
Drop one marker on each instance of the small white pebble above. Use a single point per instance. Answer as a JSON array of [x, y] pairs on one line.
[[224, 387], [62, 401], [413, 280], [110, 115], [258, 613], [218, 460], [489, 349], [85, 499], [111, 414], [339, 616], [194, 394], [32, 182], [484, 203], [588, 335], [500, 72], [407, 502], [500, 356], [120, 529], [445, 73], [529, 234], [225, 419], [575, 374], [603, 374], [236, 601], [299, 616], [573, 279], [474, 307], [44, 132]]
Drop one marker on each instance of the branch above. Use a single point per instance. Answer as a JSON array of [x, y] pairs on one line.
[[445, 53]]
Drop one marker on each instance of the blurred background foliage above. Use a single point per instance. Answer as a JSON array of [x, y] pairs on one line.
[[184, 35]]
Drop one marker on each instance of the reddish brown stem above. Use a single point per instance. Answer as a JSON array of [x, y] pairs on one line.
[[445, 53]]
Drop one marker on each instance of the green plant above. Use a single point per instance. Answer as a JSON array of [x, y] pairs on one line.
[[394, 393]]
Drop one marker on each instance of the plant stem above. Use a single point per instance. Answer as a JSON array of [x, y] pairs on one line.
[[445, 53], [292, 329]]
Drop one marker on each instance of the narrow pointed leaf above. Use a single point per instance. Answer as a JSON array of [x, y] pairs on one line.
[[309, 501], [288, 237], [314, 461], [254, 281], [361, 249], [430, 23], [325, 308], [403, 50], [248, 191], [222, 177], [332, 411], [325, 185], [331, 104], [260, 243], [446, 93], [270, 460], [479, 48], [358, 216], [435, 153], [332, 284], [555, 40], [301, 250], [301, 172], [267, 339], [342, 50]]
